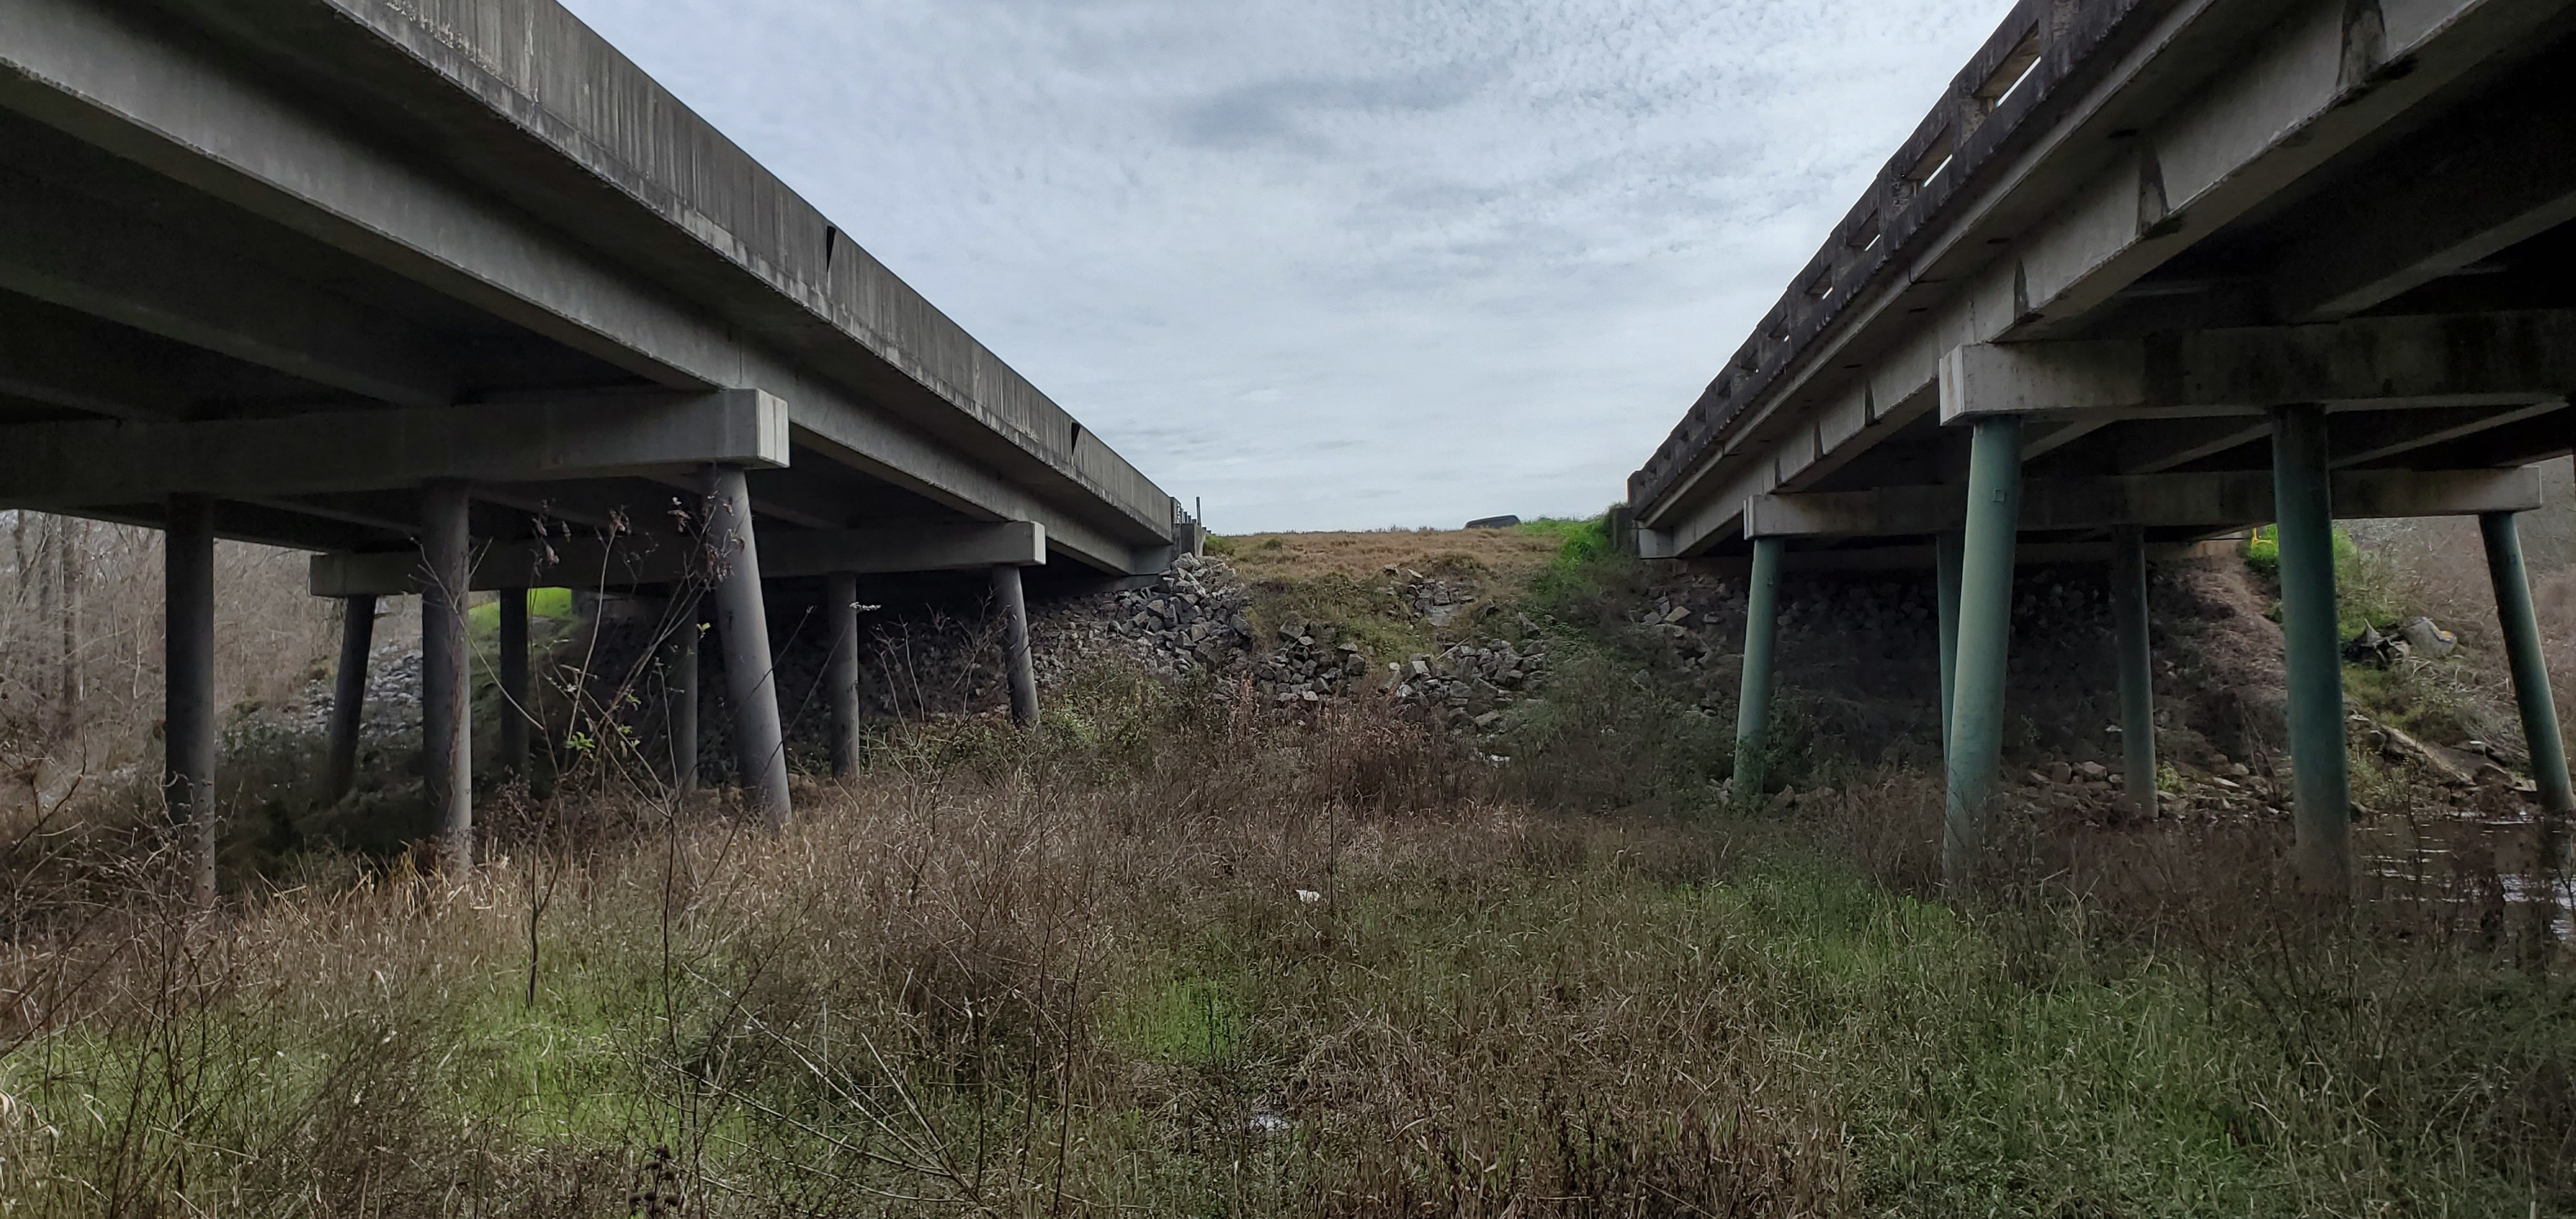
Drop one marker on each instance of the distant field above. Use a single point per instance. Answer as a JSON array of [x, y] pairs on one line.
[[1511, 553]]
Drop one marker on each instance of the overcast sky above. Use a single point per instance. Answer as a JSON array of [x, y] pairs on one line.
[[1332, 264]]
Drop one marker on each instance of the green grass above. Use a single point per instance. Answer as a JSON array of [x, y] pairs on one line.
[[553, 603], [2365, 591]]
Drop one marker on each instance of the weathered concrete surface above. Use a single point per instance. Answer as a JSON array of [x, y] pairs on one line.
[[665, 558], [428, 205], [2186, 209], [2181, 501]]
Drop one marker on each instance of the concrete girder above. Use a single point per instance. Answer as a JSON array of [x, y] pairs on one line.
[[150, 95], [2485, 359], [2365, 437], [71, 465], [639, 560], [2360, 437], [2521, 442], [2480, 181], [2214, 500], [2179, 442], [2313, 86], [1918, 557], [862, 443], [67, 359], [95, 258]]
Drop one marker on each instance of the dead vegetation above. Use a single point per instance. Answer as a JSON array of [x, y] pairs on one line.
[[1178, 952], [1511, 554]]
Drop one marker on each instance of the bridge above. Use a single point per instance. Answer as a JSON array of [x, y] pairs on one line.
[[456, 297], [2151, 272]]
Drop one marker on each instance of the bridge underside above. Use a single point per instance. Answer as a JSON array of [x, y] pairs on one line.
[[2152, 272], [219, 212], [2403, 254], [460, 299]]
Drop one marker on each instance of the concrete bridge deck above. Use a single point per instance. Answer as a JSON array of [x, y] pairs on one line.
[[2153, 271], [407, 283]]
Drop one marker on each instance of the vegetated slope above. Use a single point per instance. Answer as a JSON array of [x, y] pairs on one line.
[[1192, 947]]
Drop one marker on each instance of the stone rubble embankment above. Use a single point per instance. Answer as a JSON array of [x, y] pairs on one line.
[[1197, 618]]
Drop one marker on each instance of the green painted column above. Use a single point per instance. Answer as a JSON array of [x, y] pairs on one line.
[[2137, 666], [2322, 850], [2522, 653], [1984, 636], [1753, 701], [1946, 546]]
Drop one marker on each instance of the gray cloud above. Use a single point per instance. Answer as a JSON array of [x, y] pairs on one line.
[[1335, 263], [1271, 112]]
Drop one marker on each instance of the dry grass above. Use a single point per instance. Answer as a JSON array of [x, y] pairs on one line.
[[1080, 971], [1015, 976], [1509, 554]]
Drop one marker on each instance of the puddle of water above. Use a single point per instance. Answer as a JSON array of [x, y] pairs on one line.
[[2457, 854]]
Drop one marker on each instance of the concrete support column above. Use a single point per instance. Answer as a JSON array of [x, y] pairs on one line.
[[1015, 644], [1986, 557], [446, 718], [2137, 666], [841, 673], [2322, 852], [680, 688], [349, 692], [188, 691], [2522, 652], [515, 715], [1946, 548], [742, 623], [1753, 696]]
